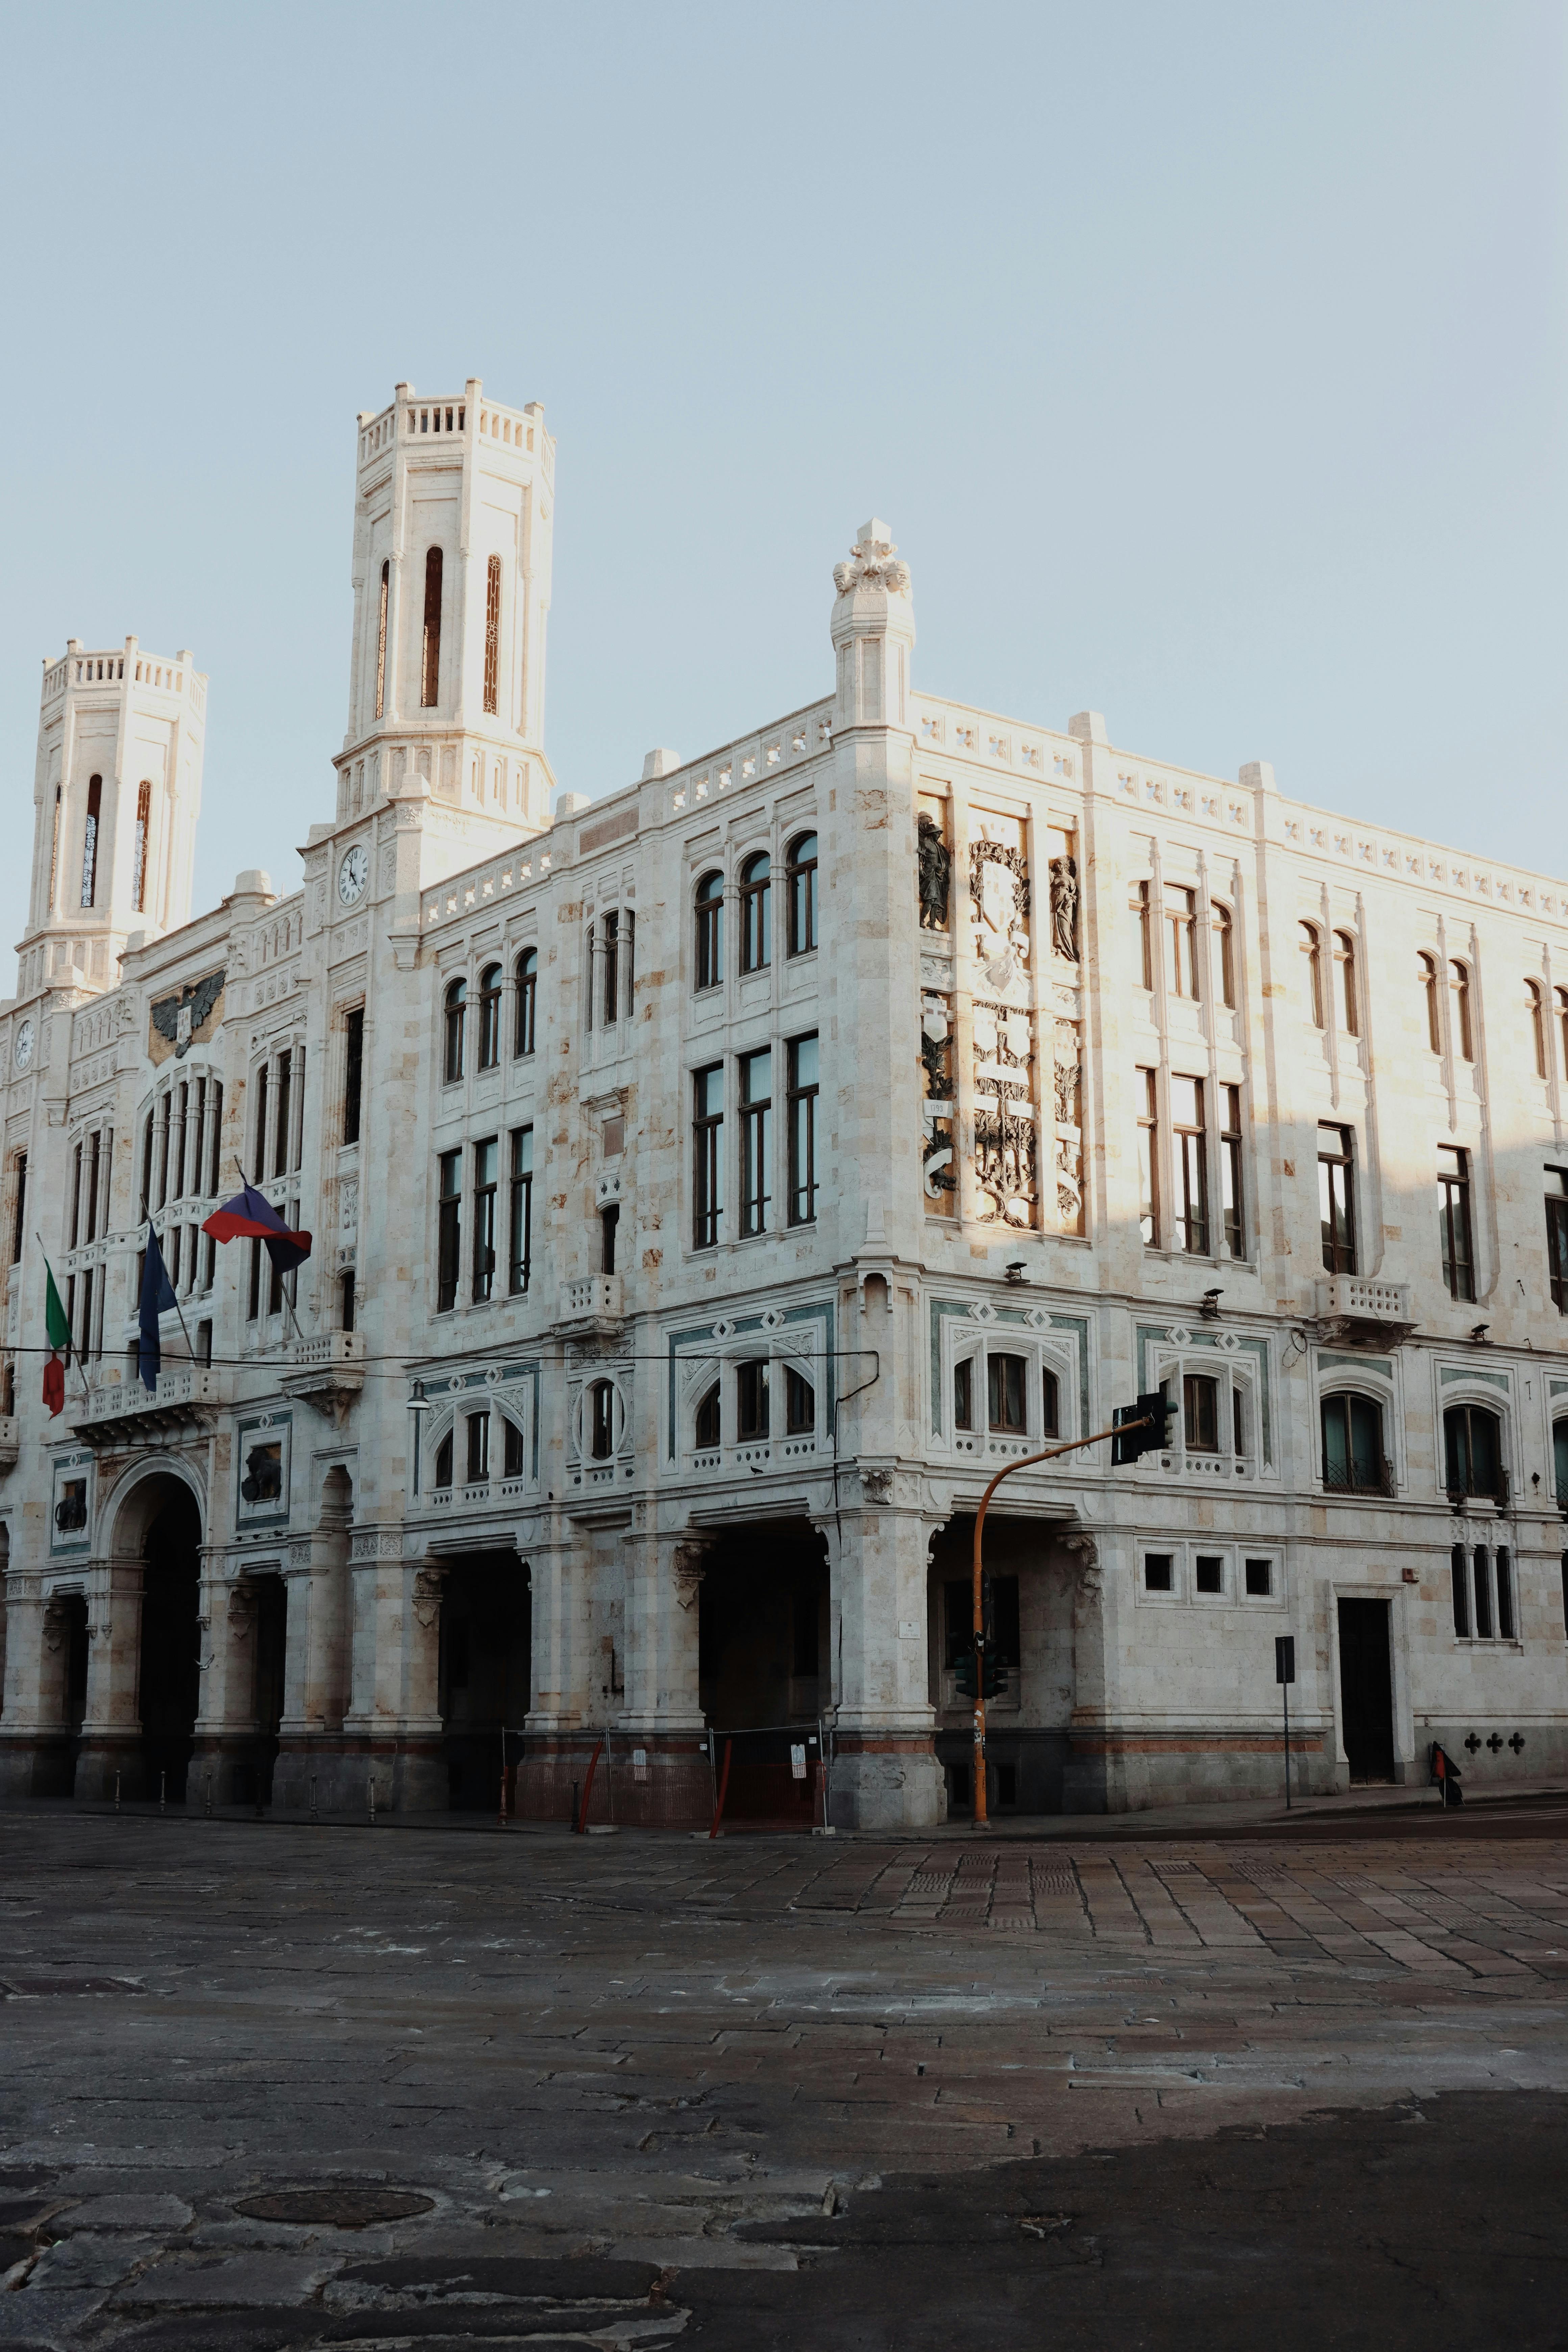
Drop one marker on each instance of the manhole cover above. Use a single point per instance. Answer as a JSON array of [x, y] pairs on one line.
[[41, 1987], [336, 2205]]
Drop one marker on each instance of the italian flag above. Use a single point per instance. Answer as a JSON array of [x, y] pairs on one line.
[[59, 1333]]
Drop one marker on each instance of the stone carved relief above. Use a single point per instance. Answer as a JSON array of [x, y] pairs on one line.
[[1068, 1081], [690, 1565], [877, 1486], [56, 1618], [427, 1583], [873, 563], [1064, 907], [935, 873], [939, 1170], [999, 893], [1007, 1148]]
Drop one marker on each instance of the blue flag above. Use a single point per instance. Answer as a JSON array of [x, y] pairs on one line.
[[157, 1298]]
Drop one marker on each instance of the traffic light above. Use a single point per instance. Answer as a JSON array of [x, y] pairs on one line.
[[1155, 1410], [993, 1674]]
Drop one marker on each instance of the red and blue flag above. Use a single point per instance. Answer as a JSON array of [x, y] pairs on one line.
[[250, 1216]]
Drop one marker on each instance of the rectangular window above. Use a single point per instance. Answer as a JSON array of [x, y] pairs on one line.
[[1208, 1572], [1200, 1412], [1230, 1171], [19, 1221], [1142, 960], [1483, 1589], [1189, 1146], [448, 1246], [1149, 1159], [1461, 1592], [75, 1195], [1182, 925], [800, 1403], [1004, 1394], [1557, 1236], [353, 1072], [1158, 1572], [609, 1226], [1505, 1625], [612, 972], [757, 1139], [803, 1089], [486, 1165], [479, 1447], [751, 1399], [345, 1303], [281, 1142], [1260, 1579], [511, 1459], [1336, 1198], [527, 1000], [94, 1176], [706, 1154], [963, 1395], [253, 1288], [520, 1230], [1454, 1219], [1238, 1420], [380, 644]]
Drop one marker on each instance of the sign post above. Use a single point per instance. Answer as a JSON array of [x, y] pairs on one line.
[[1285, 1675]]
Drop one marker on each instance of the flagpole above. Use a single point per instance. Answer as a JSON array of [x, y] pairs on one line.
[[173, 1292], [71, 1339], [287, 1302]]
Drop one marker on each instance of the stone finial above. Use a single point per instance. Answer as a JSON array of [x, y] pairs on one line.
[[253, 882], [873, 563], [570, 803], [1088, 726], [661, 763], [1258, 774]]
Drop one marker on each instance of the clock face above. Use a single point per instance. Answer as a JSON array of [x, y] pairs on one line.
[[353, 875], [25, 1041]]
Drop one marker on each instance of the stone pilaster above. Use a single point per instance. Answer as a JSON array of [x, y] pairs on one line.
[[111, 1746], [34, 1745], [885, 1773]]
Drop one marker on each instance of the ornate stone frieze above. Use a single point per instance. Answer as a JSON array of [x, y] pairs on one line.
[[999, 895], [939, 1158], [1006, 1144]]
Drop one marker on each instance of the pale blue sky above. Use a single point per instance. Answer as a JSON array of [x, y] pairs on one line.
[[1208, 362]]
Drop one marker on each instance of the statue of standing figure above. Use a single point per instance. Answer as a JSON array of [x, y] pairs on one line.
[[936, 871], [1064, 906]]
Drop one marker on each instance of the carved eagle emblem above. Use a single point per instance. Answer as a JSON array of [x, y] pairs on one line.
[[178, 1018]]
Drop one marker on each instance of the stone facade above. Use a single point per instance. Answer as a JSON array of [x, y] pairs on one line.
[[711, 1187]]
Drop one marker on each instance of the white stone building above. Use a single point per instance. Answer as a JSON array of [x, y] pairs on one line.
[[711, 1186]]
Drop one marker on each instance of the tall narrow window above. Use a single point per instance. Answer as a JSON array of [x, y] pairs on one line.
[[1189, 1146], [1230, 1173], [800, 1403], [709, 930], [345, 1307], [381, 640], [1005, 1404], [706, 1154], [444, 1462], [456, 1016], [1560, 1461], [450, 1231], [1182, 926], [801, 876], [1200, 1412], [75, 1195], [280, 1138], [1427, 973], [527, 973], [353, 1072], [756, 924], [1535, 1013], [520, 1223], [1557, 1236], [90, 840], [1353, 1446], [486, 1159], [1344, 968], [478, 1448], [612, 972], [1561, 996], [94, 1170], [709, 1427], [215, 1154], [1149, 1159], [1472, 1451], [1312, 948], [1459, 994], [751, 1399], [963, 1394], [139, 850], [19, 1221], [601, 1421], [1224, 952], [1336, 1198], [54, 850], [1483, 1594], [757, 1139], [1143, 958], [492, 633], [430, 667], [609, 1227], [803, 1089], [1454, 1219], [489, 1016], [1504, 1567], [1461, 1592]]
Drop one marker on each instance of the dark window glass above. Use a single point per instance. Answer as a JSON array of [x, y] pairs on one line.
[[601, 1421], [1050, 1405], [610, 977], [1505, 1623], [1189, 1147], [1557, 1238], [800, 874], [1260, 1579], [1336, 1198], [609, 1224], [457, 1017], [1472, 1451], [757, 1139], [1000, 1605], [1353, 1460], [511, 1458], [489, 1016], [430, 667], [479, 1447], [280, 1140], [1004, 1394], [706, 1154], [527, 1000], [486, 1160], [1148, 1159], [1482, 1585], [1230, 1171], [346, 1302], [710, 910], [450, 1231], [353, 1072], [963, 1395], [1461, 1591], [443, 1461], [521, 1225], [803, 1090], [751, 1399], [1200, 1412], [756, 917], [1454, 1219], [1157, 1571], [800, 1403], [1208, 1572], [19, 1221], [1560, 1459], [708, 1417]]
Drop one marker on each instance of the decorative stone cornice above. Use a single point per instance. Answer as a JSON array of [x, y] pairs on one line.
[[873, 563]]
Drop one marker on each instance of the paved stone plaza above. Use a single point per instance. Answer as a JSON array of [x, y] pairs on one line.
[[271, 2086]]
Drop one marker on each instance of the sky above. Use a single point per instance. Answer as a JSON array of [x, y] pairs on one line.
[[1208, 362]]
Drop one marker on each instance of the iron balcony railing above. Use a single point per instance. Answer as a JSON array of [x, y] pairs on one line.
[[1360, 1478]]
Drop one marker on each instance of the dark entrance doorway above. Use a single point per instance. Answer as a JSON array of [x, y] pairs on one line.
[[1366, 1689], [764, 1667], [486, 1675], [170, 1665], [75, 1606], [272, 1642]]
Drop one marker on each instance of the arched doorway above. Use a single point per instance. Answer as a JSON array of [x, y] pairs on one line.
[[170, 1684]]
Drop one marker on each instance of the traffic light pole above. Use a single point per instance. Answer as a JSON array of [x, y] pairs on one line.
[[1025, 1461]]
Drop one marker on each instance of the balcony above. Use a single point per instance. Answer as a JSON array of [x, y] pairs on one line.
[[1479, 1487], [1360, 1478], [591, 1304], [329, 1375], [1353, 1311], [10, 1441], [122, 1412]]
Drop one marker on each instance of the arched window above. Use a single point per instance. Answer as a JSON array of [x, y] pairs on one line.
[[710, 930], [1181, 923], [1224, 951], [800, 872], [1345, 966], [1472, 1451], [443, 1461], [1560, 1459], [1427, 973], [430, 667], [526, 971], [492, 632], [1535, 1009], [601, 1421], [381, 641], [489, 1016], [756, 922], [1354, 1459], [456, 1014], [709, 1424], [1312, 948], [1460, 995], [90, 840]]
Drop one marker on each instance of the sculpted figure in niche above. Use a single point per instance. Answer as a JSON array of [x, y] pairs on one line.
[[936, 870], [1064, 906]]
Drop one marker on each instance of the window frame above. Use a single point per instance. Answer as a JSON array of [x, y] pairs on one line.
[[492, 982], [707, 1157], [454, 1012], [1309, 941], [525, 1023], [519, 1210], [708, 910], [1189, 1153], [801, 1105], [1347, 992], [801, 882], [448, 1228], [756, 912], [486, 1202], [1336, 1199], [755, 1114], [1462, 1022], [1456, 1223], [1361, 1474]]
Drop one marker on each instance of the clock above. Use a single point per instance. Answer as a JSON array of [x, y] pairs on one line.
[[25, 1041], [353, 875]]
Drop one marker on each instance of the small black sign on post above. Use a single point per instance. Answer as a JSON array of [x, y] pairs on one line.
[[1285, 1675]]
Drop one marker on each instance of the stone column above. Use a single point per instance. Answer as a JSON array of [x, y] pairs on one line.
[[885, 1774], [412, 1628], [311, 1739], [559, 1745], [224, 1749], [1087, 1779], [111, 1726], [35, 1751], [662, 1718]]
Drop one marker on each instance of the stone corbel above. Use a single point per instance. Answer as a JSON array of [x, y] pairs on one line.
[[1091, 1582], [55, 1619], [427, 1584], [690, 1565]]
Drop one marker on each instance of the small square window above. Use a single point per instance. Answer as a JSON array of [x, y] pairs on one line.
[[1260, 1579], [1157, 1571], [1209, 1572]]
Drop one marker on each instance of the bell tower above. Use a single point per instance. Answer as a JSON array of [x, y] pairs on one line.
[[117, 789], [453, 508]]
